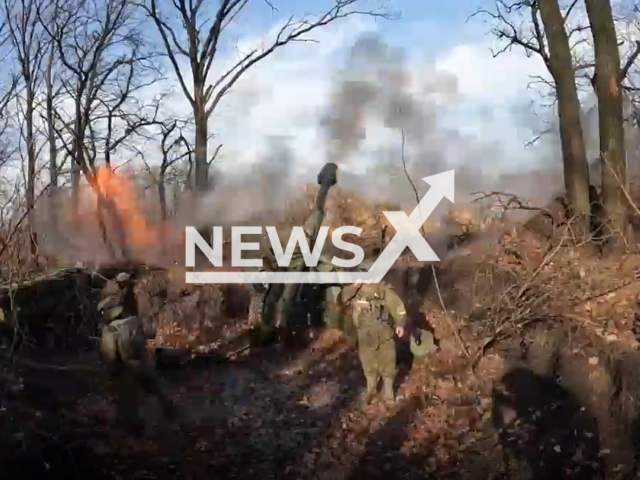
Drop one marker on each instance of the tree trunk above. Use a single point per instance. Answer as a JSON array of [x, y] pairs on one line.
[[574, 157], [54, 201], [610, 118], [31, 163], [201, 160], [162, 195], [78, 159], [51, 132]]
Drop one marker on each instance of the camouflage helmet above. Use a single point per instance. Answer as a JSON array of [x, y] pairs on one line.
[[113, 313], [122, 277], [426, 346]]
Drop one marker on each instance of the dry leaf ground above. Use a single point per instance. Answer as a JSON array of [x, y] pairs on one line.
[[550, 328]]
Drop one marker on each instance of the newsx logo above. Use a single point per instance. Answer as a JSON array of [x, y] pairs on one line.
[[283, 257], [407, 236]]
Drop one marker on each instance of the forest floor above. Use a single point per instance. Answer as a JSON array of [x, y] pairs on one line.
[[276, 413], [263, 415]]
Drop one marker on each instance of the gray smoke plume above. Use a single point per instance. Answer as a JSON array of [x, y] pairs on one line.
[[257, 194], [377, 86]]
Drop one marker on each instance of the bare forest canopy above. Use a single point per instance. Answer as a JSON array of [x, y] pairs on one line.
[[101, 160], [375, 88]]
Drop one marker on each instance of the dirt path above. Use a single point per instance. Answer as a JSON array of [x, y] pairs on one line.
[[254, 418], [265, 417]]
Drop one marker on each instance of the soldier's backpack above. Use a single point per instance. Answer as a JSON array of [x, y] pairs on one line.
[[130, 337]]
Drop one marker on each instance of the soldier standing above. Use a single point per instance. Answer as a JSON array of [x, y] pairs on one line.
[[264, 298], [269, 306], [123, 349], [377, 314]]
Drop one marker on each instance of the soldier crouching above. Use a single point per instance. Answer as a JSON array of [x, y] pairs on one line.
[[123, 350]]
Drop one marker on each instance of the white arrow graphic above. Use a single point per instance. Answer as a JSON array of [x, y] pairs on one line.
[[407, 235], [442, 185], [408, 228]]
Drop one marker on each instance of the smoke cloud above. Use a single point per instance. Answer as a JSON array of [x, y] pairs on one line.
[[378, 90], [384, 124]]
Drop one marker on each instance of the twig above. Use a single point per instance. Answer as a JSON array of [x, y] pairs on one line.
[[58, 274], [498, 334], [626, 283], [622, 186], [544, 262], [455, 331], [45, 366]]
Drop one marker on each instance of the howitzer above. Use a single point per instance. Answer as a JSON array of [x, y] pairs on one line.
[[327, 178]]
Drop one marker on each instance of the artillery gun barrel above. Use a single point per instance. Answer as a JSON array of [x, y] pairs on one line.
[[327, 178]]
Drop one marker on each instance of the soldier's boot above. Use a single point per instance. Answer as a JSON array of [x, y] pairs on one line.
[[372, 387], [387, 390]]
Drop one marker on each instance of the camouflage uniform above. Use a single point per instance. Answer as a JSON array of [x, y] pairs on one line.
[[263, 297], [289, 291], [275, 304], [334, 303], [280, 300], [376, 311], [123, 349]]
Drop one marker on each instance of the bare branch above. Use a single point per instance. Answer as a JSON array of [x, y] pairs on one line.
[[630, 61], [569, 10], [298, 30]]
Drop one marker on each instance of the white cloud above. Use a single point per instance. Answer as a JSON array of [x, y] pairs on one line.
[[280, 96], [485, 80], [492, 91]]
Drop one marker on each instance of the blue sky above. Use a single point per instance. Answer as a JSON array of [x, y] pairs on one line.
[[437, 24]]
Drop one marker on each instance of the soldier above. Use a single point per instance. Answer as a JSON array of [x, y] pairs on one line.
[[269, 303], [123, 349], [377, 313], [264, 298]]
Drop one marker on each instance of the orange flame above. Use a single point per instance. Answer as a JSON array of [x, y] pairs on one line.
[[120, 191]]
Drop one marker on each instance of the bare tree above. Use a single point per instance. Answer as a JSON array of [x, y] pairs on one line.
[[174, 147], [105, 64], [607, 80], [538, 26], [199, 42], [560, 63], [51, 94], [27, 40], [101, 49]]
